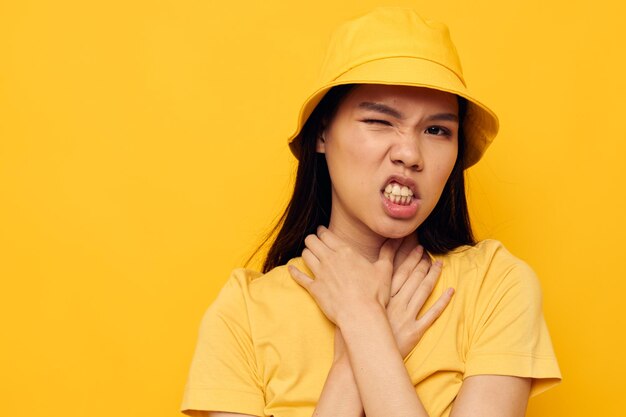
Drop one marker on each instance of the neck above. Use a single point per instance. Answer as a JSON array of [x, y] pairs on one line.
[[364, 240], [367, 244]]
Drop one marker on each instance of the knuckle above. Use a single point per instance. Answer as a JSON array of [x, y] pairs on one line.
[[403, 270], [425, 288], [428, 289], [429, 284], [423, 267], [437, 310], [427, 320]]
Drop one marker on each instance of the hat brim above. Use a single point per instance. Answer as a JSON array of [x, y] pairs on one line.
[[480, 124]]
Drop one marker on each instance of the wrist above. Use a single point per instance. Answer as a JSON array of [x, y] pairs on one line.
[[359, 314]]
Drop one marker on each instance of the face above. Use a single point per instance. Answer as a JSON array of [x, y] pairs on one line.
[[389, 150]]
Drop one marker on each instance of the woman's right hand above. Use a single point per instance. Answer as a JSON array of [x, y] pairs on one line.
[[412, 282]]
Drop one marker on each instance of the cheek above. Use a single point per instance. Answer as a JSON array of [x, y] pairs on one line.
[[354, 152], [444, 167], [449, 166]]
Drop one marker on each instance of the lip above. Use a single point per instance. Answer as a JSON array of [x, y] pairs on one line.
[[400, 211], [402, 180]]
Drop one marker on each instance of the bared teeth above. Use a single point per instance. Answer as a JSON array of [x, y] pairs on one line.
[[398, 194], [398, 199], [394, 188]]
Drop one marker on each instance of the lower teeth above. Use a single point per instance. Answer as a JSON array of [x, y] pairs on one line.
[[396, 199]]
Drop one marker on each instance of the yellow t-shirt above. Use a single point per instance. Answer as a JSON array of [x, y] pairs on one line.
[[265, 348]]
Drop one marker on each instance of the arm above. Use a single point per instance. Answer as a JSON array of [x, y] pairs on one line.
[[365, 322], [377, 359], [480, 395], [378, 367], [492, 396], [412, 283], [223, 373], [340, 396]]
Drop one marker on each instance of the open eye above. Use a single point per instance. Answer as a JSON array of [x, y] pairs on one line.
[[438, 131], [376, 121]]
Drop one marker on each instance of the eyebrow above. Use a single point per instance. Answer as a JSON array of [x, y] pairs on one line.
[[383, 108], [443, 116]]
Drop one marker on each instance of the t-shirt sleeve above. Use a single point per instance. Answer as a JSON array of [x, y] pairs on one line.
[[223, 374], [509, 335]]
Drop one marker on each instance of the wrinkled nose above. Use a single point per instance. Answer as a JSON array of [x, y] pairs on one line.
[[407, 152]]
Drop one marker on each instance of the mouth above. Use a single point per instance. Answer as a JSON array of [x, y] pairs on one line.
[[400, 190], [398, 194]]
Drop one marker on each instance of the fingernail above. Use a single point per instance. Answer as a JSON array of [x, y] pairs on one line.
[[450, 291]]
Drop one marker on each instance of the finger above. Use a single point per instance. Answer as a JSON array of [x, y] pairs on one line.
[[300, 277], [310, 260], [389, 249], [403, 252], [436, 310], [425, 288], [407, 291], [424, 264], [404, 270], [315, 245], [329, 238]]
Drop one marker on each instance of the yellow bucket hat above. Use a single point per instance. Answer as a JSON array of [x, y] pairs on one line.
[[394, 45]]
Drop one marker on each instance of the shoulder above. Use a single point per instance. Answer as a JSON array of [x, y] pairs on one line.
[[492, 268], [488, 256], [245, 290], [271, 303], [254, 286], [483, 253]]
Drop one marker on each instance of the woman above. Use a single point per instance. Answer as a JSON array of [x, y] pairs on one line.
[[354, 312]]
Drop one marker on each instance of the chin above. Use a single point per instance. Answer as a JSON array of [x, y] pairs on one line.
[[395, 231]]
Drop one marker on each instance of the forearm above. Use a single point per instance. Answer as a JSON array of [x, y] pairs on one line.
[[384, 385], [340, 395]]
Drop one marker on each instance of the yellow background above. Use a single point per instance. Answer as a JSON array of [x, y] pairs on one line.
[[143, 156]]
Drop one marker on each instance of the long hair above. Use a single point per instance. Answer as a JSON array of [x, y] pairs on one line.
[[445, 229]]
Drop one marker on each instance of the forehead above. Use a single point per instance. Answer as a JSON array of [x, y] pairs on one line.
[[402, 96]]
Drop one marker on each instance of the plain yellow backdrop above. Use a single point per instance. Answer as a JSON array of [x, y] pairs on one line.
[[143, 156]]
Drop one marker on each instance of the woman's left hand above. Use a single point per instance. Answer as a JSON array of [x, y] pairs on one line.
[[412, 284], [345, 281]]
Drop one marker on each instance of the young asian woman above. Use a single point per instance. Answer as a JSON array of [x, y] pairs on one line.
[[375, 297]]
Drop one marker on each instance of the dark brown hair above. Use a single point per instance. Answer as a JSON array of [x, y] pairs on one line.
[[445, 229]]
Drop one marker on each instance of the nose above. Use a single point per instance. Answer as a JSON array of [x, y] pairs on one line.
[[407, 151]]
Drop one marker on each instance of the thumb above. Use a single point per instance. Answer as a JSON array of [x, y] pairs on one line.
[[389, 249]]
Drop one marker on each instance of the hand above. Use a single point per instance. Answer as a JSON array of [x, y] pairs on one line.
[[412, 283], [345, 281]]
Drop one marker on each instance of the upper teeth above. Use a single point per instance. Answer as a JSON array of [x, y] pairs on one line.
[[397, 189]]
